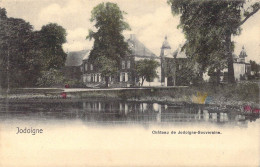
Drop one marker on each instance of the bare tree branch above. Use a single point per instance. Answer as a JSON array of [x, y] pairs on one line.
[[248, 16]]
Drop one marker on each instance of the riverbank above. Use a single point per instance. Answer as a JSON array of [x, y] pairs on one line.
[[242, 94]]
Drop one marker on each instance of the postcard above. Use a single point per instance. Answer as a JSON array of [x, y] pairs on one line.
[[112, 83]]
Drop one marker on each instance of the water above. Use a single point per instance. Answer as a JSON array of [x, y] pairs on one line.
[[119, 133], [120, 112]]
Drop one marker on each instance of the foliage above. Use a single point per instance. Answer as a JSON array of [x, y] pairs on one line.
[[107, 67], [187, 75], [146, 70], [208, 26], [255, 68], [108, 39], [15, 51], [74, 83], [24, 53], [51, 37], [51, 77]]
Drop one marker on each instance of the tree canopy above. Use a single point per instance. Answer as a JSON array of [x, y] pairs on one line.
[[25, 53], [15, 50], [51, 37], [108, 39], [146, 70], [208, 26], [255, 68]]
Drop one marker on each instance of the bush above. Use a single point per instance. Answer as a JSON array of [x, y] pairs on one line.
[[51, 78]]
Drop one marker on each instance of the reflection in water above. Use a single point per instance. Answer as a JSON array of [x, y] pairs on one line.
[[123, 112]]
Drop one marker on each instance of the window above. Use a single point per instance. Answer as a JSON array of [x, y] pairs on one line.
[[126, 77], [123, 77], [92, 78], [128, 64], [123, 64], [86, 67], [91, 67]]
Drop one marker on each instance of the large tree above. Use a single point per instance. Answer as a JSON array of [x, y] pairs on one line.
[[208, 27], [51, 37], [255, 68], [25, 54], [15, 51], [108, 38]]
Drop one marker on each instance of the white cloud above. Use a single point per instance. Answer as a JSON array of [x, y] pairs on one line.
[[77, 40], [151, 28]]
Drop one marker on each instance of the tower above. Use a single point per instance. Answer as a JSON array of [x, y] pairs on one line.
[[242, 55], [166, 48], [165, 52]]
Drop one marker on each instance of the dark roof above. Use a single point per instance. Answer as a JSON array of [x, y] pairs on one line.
[[75, 58], [138, 48]]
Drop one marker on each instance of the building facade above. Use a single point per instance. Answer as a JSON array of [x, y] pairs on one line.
[[170, 64], [73, 65], [174, 66], [126, 75]]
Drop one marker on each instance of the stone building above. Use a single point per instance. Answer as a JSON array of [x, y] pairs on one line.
[[171, 63], [242, 69], [73, 65], [174, 66], [126, 76]]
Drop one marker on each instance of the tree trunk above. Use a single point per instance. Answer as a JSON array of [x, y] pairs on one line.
[[174, 71], [200, 79], [106, 79], [218, 77], [142, 81], [231, 77]]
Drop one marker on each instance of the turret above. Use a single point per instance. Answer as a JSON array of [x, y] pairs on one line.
[[242, 55], [166, 48]]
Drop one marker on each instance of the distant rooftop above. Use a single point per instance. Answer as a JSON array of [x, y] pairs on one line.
[[75, 58], [138, 48]]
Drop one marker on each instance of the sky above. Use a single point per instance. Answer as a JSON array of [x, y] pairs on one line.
[[150, 21]]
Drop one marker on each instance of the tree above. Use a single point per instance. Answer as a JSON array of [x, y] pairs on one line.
[[15, 51], [146, 70], [255, 68], [108, 39], [25, 54], [52, 77], [50, 39], [208, 27], [107, 67]]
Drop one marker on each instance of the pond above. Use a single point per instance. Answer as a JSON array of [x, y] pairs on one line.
[[119, 133], [120, 112]]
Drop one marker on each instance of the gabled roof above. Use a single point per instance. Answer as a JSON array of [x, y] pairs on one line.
[[75, 58], [138, 48]]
